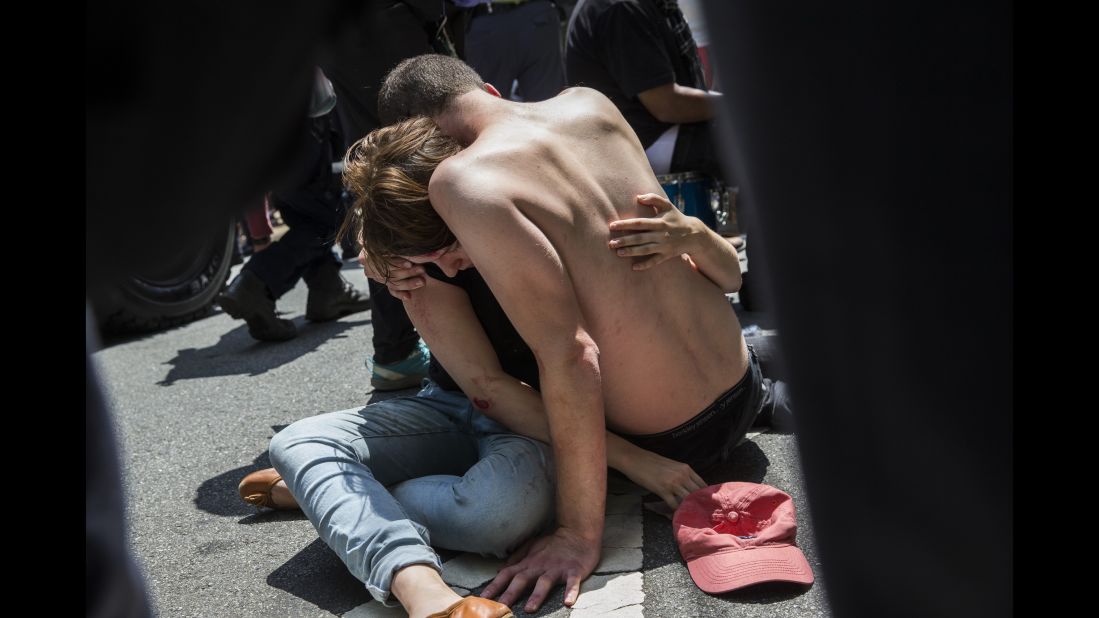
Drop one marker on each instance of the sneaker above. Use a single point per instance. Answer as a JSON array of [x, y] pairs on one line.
[[777, 411], [405, 374], [331, 296], [247, 299]]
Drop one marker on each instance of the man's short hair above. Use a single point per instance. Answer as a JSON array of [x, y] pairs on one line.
[[387, 174], [424, 86]]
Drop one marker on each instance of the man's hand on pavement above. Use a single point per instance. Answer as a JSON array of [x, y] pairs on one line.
[[561, 556]]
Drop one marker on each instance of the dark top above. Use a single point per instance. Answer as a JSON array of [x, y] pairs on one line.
[[622, 48], [516, 358]]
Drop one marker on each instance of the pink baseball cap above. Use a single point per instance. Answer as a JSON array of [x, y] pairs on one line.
[[734, 535]]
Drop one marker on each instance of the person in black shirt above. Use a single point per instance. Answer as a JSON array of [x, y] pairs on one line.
[[641, 55]]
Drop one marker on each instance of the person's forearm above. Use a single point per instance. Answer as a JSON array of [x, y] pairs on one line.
[[573, 397], [519, 407], [676, 104], [511, 403], [620, 452], [715, 257]]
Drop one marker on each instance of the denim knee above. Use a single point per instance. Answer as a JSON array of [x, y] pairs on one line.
[[279, 447], [497, 528], [322, 429]]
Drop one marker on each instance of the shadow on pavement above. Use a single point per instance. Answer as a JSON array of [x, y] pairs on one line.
[[316, 574], [748, 463], [219, 495], [763, 594], [237, 353], [111, 339]]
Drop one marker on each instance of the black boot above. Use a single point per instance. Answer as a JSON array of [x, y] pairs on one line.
[[331, 296], [247, 299]]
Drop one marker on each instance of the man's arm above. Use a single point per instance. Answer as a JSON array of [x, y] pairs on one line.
[[443, 315], [529, 279], [676, 104]]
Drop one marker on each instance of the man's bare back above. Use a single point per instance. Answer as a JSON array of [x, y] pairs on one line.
[[669, 343]]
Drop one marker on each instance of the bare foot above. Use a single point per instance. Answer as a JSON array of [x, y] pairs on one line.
[[421, 591], [282, 498]]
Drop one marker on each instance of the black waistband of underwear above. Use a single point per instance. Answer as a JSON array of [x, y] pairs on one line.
[[722, 403], [711, 433]]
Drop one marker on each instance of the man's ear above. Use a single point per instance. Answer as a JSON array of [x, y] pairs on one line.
[[489, 88]]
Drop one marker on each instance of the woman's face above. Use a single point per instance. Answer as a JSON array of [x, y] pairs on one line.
[[449, 259]]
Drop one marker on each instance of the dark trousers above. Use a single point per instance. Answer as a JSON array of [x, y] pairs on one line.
[[303, 249], [312, 210], [384, 34], [394, 336], [524, 44]]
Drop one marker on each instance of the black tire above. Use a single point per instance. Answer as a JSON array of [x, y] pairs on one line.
[[173, 294]]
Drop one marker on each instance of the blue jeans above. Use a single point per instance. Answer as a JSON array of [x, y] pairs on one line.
[[383, 483]]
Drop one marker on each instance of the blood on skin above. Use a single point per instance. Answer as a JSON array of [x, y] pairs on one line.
[[481, 403]]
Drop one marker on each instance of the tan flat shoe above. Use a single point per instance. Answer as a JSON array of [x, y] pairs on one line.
[[475, 607], [255, 489]]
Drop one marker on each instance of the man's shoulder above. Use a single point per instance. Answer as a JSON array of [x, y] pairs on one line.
[[466, 179], [585, 101], [474, 164], [585, 92], [593, 110]]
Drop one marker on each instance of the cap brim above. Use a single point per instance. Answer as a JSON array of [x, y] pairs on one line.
[[733, 569]]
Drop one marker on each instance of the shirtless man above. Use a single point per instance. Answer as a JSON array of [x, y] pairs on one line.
[[528, 200]]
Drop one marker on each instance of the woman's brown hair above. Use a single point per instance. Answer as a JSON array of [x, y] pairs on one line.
[[387, 174]]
